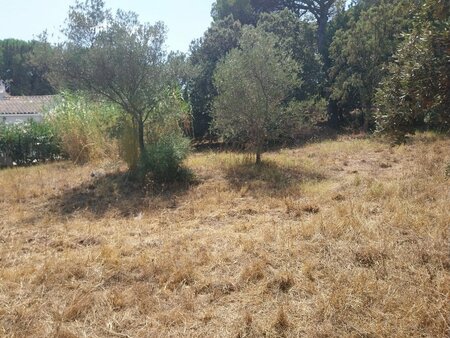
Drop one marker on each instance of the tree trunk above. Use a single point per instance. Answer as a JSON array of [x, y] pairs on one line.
[[141, 142], [333, 113], [258, 157], [366, 112], [366, 117], [322, 22]]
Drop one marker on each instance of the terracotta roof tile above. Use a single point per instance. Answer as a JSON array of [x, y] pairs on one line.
[[11, 105]]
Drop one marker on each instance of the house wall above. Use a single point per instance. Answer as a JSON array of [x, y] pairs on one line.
[[14, 118]]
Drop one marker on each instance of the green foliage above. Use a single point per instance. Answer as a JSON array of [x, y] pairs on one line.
[[321, 11], [126, 64], [84, 127], [248, 12], [240, 10], [297, 38], [172, 114], [416, 92], [218, 40], [17, 66], [166, 145], [163, 158], [28, 142], [253, 82], [306, 113], [360, 52], [268, 6]]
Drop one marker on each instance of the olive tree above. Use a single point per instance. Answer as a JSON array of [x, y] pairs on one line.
[[253, 83], [117, 57]]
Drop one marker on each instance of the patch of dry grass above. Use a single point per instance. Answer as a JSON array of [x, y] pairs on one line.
[[340, 238]]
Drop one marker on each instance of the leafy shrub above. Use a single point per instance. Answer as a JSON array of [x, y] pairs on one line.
[[28, 142], [163, 158], [166, 146], [84, 127], [417, 91]]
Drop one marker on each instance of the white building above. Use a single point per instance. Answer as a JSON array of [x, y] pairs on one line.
[[15, 109], [22, 108]]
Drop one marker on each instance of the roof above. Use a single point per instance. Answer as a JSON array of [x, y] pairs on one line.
[[19, 105]]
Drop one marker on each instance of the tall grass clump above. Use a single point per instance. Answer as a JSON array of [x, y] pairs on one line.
[[85, 127]]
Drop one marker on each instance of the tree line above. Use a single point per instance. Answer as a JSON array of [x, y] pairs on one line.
[[350, 55], [260, 70]]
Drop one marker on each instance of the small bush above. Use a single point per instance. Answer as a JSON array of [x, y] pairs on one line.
[[166, 146], [27, 143], [163, 158]]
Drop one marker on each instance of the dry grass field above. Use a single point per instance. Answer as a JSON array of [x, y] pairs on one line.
[[343, 238]]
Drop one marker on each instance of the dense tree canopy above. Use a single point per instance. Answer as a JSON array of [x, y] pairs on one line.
[[321, 10], [240, 10], [248, 11], [18, 67], [297, 38], [218, 40], [416, 92], [345, 49], [358, 65]]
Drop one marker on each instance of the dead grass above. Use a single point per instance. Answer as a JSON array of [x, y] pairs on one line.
[[345, 238]]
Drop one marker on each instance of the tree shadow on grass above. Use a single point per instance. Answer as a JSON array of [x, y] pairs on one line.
[[119, 194], [269, 177]]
